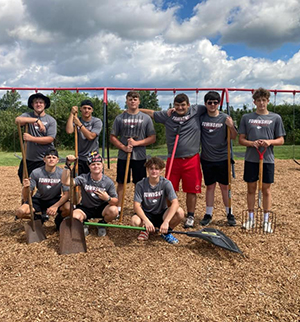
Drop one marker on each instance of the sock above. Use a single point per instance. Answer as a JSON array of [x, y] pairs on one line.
[[119, 209], [190, 214], [266, 217], [251, 216], [209, 210]]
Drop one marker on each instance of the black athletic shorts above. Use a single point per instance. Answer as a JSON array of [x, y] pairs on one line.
[[31, 165], [251, 170], [94, 212], [40, 205], [136, 166], [215, 172], [157, 219], [83, 167]]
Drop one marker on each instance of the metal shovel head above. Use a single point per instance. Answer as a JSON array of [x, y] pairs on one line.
[[34, 232], [71, 237], [216, 237]]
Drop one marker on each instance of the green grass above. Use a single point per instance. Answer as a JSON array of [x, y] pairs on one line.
[[284, 152]]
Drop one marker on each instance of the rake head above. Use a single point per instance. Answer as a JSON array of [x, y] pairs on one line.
[[260, 223]]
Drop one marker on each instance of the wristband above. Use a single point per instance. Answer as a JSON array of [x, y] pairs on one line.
[[80, 126], [37, 120], [109, 199]]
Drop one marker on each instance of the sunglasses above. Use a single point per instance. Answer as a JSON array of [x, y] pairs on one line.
[[213, 103]]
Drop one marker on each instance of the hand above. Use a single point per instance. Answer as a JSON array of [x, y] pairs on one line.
[[76, 121], [74, 110], [70, 158], [170, 111], [131, 142], [27, 137], [264, 143], [103, 195], [51, 211], [149, 226], [41, 126], [128, 148], [26, 183], [164, 228], [229, 122]]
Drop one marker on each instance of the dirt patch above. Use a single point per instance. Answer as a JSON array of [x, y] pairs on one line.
[[121, 279]]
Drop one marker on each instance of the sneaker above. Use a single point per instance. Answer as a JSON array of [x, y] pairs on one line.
[[86, 230], [267, 227], [101, 230], [169, 238], [206, 220], [118, 215], [189, 222], [231, 220], [249, 224]]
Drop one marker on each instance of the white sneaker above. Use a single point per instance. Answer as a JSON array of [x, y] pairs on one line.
[[189, 222], [267, 227], [249, 224]]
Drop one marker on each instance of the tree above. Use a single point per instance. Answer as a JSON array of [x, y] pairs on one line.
[[10, 100]]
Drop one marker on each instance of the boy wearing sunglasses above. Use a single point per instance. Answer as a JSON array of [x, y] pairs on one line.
[[214, 154], [88, 128], [260, 130]]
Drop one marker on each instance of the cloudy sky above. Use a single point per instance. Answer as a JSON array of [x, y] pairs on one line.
[[151, 43]]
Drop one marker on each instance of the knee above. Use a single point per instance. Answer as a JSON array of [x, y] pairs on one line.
[[180, 214], [266, 191], [20, 213], [78, 215], [113, 211], [135, 220]]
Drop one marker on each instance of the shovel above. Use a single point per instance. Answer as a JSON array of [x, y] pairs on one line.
[[77, 194], [33, 229], [211, 235], [71, 234], [124, 186]]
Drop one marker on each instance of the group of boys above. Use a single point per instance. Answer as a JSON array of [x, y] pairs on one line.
[[155, 202]]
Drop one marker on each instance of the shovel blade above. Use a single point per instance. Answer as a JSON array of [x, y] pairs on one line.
[[71, 237], [34, 232], [216, 237]]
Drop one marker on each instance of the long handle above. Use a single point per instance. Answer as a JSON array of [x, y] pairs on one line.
[[260, 174], [25, 174], [76, 199], [173, 152], [229, 168], [124, 185]]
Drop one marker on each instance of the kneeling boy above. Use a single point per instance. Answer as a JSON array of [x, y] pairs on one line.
[[150, 203]]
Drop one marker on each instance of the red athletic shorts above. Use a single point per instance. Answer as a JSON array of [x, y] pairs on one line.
[[189, 171]]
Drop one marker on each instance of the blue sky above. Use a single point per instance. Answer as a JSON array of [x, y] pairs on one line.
[[151, 43]]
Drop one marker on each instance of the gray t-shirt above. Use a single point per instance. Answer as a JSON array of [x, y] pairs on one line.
[[190, 133], [138, 126], [35, 151], [89, 186], [85, 146], [264, 127], [154, 199], [213, 137], [48, 184]]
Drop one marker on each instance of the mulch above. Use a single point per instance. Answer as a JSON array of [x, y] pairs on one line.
[[122, 279]]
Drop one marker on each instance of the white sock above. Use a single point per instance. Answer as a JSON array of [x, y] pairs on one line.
[[251, 216], [119, 209], [266, 217], [209, 210]]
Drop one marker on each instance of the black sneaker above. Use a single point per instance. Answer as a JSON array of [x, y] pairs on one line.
[[231, 220], [206, 220]]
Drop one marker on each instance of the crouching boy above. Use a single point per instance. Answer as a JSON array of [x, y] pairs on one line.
[[150, 203], [99, 197]]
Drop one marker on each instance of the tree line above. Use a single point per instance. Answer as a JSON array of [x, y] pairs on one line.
[[62, 101]]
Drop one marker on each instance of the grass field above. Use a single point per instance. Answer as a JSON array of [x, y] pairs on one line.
[[284, 152]]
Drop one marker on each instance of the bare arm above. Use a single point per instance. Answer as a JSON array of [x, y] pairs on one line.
[[119, 145], [22, 120], [38, 139], [51, 211], [230, 124], [70, 121], [171, 212], [148, 112], [145, 142], [140, 212]]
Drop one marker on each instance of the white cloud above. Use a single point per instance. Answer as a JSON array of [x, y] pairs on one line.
[[138, 44]]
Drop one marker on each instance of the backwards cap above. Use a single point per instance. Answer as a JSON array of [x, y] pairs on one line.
[[51, 151], [94, 157]]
